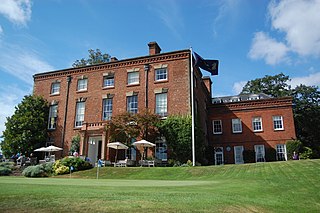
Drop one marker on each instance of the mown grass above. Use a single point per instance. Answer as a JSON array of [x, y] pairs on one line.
[[292, 186]]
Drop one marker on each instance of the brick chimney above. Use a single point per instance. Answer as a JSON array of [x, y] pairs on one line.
[[154, 48], [113, 59]]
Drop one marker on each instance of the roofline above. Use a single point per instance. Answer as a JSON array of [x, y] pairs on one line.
[[109, 63]]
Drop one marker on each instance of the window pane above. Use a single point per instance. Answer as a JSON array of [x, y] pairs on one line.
[[133, 78], [236, 125], [217, 127], [55, 88], [257, 124], [80, 114], [53, 114], [108, 81], [161, 104], [107, 109], [277, 122], [161, 74], [82, 84], [132, 104]]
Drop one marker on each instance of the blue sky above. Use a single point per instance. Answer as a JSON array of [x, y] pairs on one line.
[[250, 38]]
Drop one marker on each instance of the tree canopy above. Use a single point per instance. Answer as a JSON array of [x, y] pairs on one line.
[[127, 126], [306, 105], [95, 57], [26, 129]]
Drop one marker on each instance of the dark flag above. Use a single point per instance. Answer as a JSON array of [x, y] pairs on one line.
[[208, 65]]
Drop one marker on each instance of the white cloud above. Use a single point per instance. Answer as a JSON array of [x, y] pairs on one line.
[[264, 47], [238, 86], [16, 11], [10, 96], [1, 30], [22, 63], [299, 20], [310, 80]]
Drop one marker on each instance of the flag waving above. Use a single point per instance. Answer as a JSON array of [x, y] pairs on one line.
[[208, 65]]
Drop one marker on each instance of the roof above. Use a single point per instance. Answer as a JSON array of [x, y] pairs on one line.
[[240, 97]]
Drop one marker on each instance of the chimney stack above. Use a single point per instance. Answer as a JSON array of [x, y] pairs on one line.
[[154, 48]]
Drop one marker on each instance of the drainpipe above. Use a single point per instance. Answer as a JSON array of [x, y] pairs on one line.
[[65, 112], [146, 69]]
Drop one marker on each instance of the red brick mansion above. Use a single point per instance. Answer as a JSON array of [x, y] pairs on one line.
[[82, 101]]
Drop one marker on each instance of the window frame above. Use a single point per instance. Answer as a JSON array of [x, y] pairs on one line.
[[234, 125], [105, 79], [276, 122], [133, 80], [82, 86], [132, 100], [80, 113], [158, 76], [214, 127], [53, 115], [107, 103], [281, 152], [161, 105], [255, 124], [54, 90]]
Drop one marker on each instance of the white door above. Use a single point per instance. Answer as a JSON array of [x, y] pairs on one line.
[[260, 154], [218, 156], [238, 155], [93, 146]]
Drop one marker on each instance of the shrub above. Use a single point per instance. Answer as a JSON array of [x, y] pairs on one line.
[[307, 153], [6, 168], [77, 163], [293, 146], [42, 170], [59, 168], [5, 171]]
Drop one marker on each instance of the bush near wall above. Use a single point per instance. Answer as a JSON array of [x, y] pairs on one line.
[[63, 166]]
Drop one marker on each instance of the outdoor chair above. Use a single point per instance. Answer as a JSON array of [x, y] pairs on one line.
[[121, 163]]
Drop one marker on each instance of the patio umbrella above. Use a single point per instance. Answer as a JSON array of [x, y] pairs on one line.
[[144, 144], [116, 146], [42, 149]]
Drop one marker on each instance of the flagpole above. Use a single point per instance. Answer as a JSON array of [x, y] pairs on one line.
[[192, 111]]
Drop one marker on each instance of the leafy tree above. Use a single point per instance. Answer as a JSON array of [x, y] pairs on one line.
[[126, 126], [275, 86], [75, 144], [95, 57], [307, 116], [26, 129], [177, 131]]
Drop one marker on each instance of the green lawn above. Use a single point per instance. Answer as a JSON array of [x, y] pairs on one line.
[[292, 186]]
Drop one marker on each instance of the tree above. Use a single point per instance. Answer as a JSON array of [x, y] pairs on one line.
[[275, 86], [127, 126], [307, 116], [26, 129], [177, 131], [306, 108], [95, 57]]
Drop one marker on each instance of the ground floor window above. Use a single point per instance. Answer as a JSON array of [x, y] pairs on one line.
[[259, 153], [218, 156], [281, 152], [161, 151], [238, 155]]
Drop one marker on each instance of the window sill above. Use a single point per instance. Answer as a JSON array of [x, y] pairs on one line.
[[133, 85], [278, 130], [161, 81], [54, 94], [217, 133], [81, 91], [110, 87], [77, 127]]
